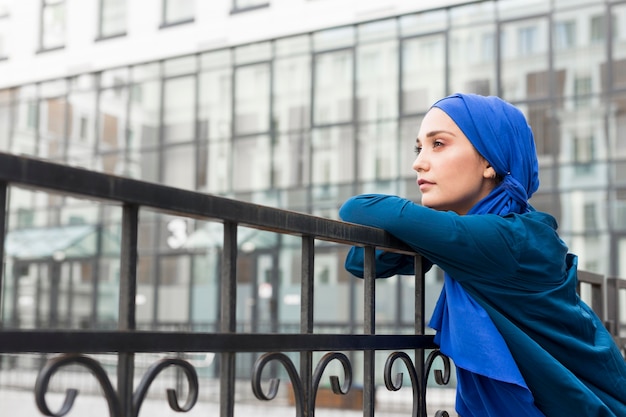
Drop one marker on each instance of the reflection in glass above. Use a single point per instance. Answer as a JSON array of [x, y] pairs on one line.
[[252, 163], [524, 48], [252, 99], [377, 86], [333, 87], [179, 166], [215, 101], [422, 84], [292, 94], [179, 109], [333, 153]]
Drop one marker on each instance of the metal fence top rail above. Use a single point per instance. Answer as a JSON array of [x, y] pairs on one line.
[[39, 174]]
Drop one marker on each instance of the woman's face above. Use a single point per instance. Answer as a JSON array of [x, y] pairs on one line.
[[451, 174]]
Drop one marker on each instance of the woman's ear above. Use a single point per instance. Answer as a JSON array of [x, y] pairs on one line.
[[489, 172]]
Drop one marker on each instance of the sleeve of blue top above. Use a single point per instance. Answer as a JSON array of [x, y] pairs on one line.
[[468, 246]]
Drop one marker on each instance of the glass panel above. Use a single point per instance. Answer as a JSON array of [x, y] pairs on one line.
[[334, 38], [112, 119], [146, 165], [333, 155], [143, 123], [53, 21], [575, 57], [378, 152], [214, 118], [617, 132], [292, 87], [291, 159], [178, 10], [216, 59], [525, 61], [25, 134], [420, 23], [179, 66], [422, 84], [175, 272], [52, 113], [377, 81], [253, 53], [333, 93], [582, 133], [473, 49], [179, 109], [113, 17], [81, 127], [218, 177], [380, 29], [179, 167], [252, 163], [619, 46], [512, 9], [545, 128], [293, 45], [252, 99], [7, 112]]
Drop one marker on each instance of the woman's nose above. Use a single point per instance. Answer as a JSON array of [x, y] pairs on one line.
[[420, 164]]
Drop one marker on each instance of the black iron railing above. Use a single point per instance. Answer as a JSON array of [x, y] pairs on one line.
[[76, 347], [126, 396]]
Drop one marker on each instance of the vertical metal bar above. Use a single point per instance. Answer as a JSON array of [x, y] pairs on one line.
[[306, 320], [612, 306], [128, 292], [420, 326], [228, 318], [369, 276], [3, 224]]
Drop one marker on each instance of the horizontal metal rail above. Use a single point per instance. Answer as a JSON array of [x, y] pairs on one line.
[[23, 341]]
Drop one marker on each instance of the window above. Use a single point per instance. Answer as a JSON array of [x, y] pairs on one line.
[[4, 25], [583, 153], [582, 92], [52, 24], [527, 41], [112, 18], [564, 35], [239, 5], [589, 213], [178, 11], [599, 28]]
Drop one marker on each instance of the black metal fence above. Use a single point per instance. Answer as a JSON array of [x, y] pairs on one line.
[[288, 354]]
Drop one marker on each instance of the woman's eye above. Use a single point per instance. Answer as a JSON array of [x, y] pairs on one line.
[[437, 143], [417, 150]]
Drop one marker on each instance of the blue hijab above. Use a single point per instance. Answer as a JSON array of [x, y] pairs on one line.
[[465, 332]]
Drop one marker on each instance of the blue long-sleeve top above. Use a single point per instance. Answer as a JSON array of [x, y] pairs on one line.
[[520, 272]]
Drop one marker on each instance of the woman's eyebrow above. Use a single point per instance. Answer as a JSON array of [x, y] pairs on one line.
[[437, 132]]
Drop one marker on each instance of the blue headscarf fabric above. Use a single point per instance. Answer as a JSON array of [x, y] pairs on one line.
[[465, 332], [500, 133]]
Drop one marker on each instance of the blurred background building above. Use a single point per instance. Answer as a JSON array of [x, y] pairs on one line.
[[296, 104]]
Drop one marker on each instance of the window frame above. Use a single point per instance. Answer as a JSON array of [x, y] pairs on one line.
[[45, 5]]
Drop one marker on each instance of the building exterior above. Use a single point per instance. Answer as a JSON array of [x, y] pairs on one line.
[[296, 104]]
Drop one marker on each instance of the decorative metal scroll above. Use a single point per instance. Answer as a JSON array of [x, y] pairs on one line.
[[111, 396], [418, 383], [296, 382]]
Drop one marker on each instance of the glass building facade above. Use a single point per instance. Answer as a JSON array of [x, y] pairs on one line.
[[302, 123]]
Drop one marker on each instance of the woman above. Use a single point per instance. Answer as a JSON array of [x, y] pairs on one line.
[[523, 342]]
